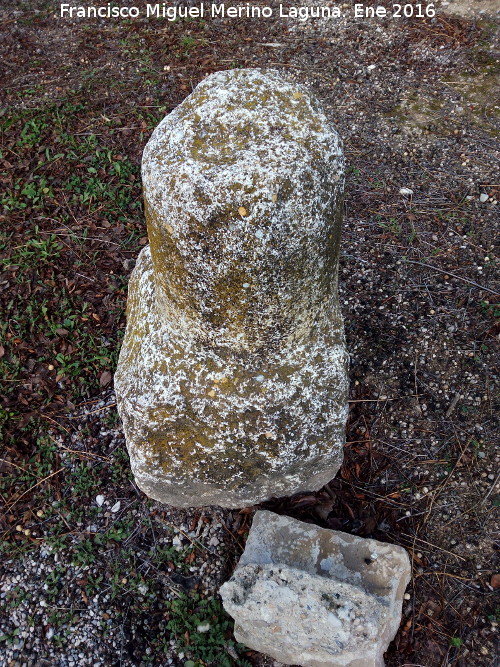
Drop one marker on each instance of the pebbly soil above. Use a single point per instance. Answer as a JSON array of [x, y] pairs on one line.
[[94, 573]]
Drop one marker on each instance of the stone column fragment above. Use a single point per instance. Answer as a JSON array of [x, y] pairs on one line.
[[231, 381], [316, 597]]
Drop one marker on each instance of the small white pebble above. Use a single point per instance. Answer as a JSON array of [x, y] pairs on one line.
[[203, 628]]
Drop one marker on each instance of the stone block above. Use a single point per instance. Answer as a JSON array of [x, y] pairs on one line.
[[315, 597], [232, 377]]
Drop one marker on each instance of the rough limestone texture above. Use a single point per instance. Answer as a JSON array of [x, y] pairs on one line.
[[316, 597], [231, 381]]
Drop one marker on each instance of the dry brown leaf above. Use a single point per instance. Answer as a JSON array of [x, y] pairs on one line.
[[105, 378]]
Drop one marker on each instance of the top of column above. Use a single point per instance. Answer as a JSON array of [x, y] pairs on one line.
[[241, 184]]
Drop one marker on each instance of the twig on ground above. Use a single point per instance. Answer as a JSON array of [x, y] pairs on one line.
[[453, 404], [383, 400], [241, 546], [490, 489], [446, 574], [87, 414], [15, 465], [44, 416], [196, 543], [453, 275], [434, 546], [7, 509], [438, 490]]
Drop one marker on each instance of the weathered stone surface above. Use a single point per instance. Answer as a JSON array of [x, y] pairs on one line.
[[315, 597], [231, 381]]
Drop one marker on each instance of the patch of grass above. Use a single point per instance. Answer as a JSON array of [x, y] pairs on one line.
[[17, 480], [85, 478], [83, 554], [15, 597], [203, 630], [491, 309], [111, 419], [179, 560], [53, 583], [120, 466], [456, 642], [119, 531], [353, 170], [69, 173], [37, 251], [393, 226], [10, 637], [32, 132], [187, 42], [495, 618]]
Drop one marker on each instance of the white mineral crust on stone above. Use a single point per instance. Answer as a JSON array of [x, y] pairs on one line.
[[315, 597], [232, 382]]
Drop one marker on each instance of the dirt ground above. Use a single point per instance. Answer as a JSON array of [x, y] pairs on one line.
[[94, 573]]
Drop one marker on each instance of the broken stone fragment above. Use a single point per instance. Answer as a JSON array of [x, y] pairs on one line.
[[315, 597], [231, 382]]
